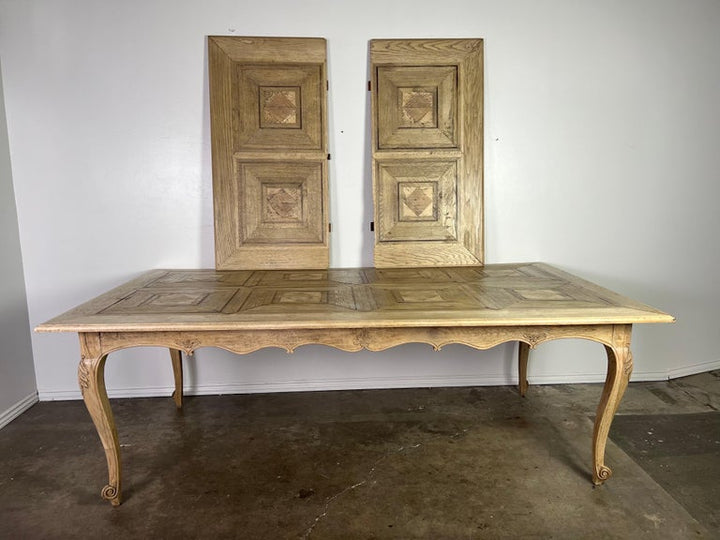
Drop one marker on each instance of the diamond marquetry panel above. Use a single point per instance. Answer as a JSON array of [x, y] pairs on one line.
[[495, 295], [418, 107], [279, 107], [282, 203], [418, 201]]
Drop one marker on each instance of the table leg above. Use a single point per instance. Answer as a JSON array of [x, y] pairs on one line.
[[620, 366], [91, 376], [176, 358], [523, 354]]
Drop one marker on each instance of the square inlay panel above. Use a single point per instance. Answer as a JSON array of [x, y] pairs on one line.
[[417, 201], [282, 278], [418, 107], [302, 297], [153, 300], [282, 202], [279, 107], [291, 301], [425, 297]]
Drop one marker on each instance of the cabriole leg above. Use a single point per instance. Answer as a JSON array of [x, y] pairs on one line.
[[176, 358], [620, 366], [523, 354], [91, 376]]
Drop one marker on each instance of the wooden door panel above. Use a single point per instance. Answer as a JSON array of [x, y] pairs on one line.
[[417, 201], [427, 152], [282, 202], [417, 107], [279, 107], [269, 143]]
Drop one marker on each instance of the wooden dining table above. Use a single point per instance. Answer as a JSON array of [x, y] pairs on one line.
[[351, 309]]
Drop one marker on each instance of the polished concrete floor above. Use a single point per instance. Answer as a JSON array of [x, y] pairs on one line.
[[420, 463]]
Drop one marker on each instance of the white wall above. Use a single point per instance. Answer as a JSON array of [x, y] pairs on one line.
[[17, 376], [602, 136]]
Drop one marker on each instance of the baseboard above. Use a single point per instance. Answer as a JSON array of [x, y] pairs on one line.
[[16, 410], [358, 383], [693, 369]]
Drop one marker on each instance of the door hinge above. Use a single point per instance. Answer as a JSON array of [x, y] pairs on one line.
[[329, 227], [372, 226], [369, 86], [328, 157]]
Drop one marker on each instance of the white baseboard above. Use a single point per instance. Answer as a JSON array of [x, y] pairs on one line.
[[693, 369], [16, 410], [358, 383]]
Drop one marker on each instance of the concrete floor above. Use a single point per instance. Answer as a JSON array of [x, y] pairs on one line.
[[420, 463]]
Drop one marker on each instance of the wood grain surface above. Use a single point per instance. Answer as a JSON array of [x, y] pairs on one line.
[[492, 295], [427, 139], [268, 118]]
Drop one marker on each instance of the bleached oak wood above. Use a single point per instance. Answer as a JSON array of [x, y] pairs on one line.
[[492, 295], [91, 377], [176, 360], [268, 118], [620, 365], [523, 355], [351, 310], [427, 140]]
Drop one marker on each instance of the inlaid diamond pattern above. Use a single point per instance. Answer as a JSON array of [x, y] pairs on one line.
[[417, 107], [282, 204], [279, 107], [418, 200]]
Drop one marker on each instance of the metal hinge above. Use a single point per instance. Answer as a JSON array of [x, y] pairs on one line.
[[369, 86], [329, 227], [372, 225]]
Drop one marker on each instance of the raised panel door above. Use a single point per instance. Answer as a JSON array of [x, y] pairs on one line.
[[427, 133], [269, 149]]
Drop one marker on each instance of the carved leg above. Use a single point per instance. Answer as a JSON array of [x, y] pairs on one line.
[[91, 376], [620, 366], [176, 358], [523, 354]]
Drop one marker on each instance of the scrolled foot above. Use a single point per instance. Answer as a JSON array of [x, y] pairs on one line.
[[111, 493], [601, 474]]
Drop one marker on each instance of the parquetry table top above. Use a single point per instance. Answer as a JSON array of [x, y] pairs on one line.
[[492, 295]]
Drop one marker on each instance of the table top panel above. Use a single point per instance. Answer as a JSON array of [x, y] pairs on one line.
[[491, 295]]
